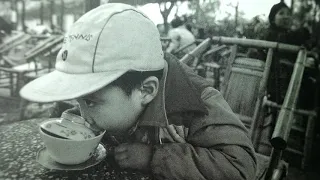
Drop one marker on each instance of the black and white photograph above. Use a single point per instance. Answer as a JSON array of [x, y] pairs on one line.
[[159, 89]]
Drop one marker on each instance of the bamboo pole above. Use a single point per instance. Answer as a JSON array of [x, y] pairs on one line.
[[45, 47], [10, 41], [256, 43], [214, 49], [302, 112], [16, 43], [231, 59], [40, 45], [184, 47], [257, 120], [285, 117], [197, 51], [274, 162]]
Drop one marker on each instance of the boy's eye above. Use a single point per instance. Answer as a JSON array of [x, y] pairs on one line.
[[89, 103]]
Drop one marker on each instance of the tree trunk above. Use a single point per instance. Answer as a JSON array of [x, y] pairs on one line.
[[62, 15], [14, 6], [165, 13], [198, 9], [292, 5], [166, 25], [236, 16], [91, 4], [41, 12], [52, 4], [23, 16]]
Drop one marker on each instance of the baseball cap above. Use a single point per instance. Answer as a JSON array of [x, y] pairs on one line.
[[102, 45]]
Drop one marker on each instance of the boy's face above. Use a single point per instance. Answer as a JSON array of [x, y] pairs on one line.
[[111, 109]]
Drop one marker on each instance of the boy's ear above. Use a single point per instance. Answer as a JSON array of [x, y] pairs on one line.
[[149, 89]]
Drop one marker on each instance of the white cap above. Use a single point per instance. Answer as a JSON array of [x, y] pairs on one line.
[[102, 45]]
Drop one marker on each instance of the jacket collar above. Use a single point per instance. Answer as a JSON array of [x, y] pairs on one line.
[[176, 94]]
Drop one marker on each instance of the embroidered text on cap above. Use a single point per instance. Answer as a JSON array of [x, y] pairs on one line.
[[64, 55]]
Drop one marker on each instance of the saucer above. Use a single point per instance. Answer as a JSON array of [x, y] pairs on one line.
[[45, 160]]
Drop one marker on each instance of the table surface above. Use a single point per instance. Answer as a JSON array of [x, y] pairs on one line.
[[19, 144]]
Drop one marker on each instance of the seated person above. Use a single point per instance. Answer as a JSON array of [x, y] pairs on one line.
[[180, 37], [169, 121]]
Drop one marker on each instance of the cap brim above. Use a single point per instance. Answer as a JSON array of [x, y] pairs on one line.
[[59, 86]]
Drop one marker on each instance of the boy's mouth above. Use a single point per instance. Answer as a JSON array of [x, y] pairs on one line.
[[92, 125]]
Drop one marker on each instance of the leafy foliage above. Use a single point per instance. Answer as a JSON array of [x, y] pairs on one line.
[[205, 12]]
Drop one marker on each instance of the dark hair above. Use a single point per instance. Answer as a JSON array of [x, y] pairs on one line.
[[176, 22], [189, 27], [133, 79], [274, 10]]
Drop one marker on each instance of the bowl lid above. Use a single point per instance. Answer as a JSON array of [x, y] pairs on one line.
[[69, 126]]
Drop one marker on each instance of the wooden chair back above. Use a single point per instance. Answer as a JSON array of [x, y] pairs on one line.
[[242, 87]]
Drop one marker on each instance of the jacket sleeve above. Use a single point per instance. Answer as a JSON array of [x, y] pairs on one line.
[[217, 147]]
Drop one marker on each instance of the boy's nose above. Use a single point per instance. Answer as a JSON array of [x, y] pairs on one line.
[[88, 118], [83, 111]]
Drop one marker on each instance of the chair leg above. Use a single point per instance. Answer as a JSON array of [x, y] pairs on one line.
[[275, 159], [22, 106], [20, 83], [216, 77], [11, 81], [308, 142]]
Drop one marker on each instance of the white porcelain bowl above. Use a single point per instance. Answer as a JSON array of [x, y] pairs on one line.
[[69, 126], [69, 139], [68, 151]]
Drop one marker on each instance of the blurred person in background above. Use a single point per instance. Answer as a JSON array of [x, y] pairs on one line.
[[280, 20], [180, 37], [161, 30], [165, 41], [280, 30]]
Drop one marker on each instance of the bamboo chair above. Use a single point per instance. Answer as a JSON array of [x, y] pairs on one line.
[[4, 59], [180, 52], [181, 49], [11, 40], [213, 62], [192, 58], [34, 66], [250, 106], [49, 48], [7, 75], [14, 81]]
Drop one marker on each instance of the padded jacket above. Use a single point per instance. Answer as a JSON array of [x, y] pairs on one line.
[[193, 131]]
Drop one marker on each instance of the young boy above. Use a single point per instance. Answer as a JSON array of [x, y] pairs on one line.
[[171, 122]]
